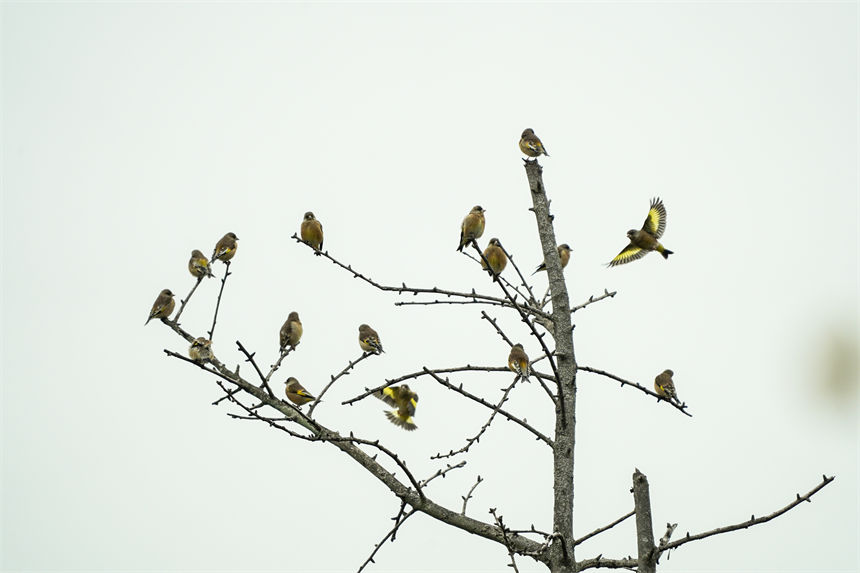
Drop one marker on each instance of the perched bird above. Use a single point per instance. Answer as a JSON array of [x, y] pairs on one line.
[[312, 232], [291, 331], [665, 388], [495, 256], [405, 400], [200, 350], [198, 266], [531, 145], [226, 248], [297, 394], [368, 339], [563, 254], [472, 226], [645, 239], [518, 361], [163, 306]]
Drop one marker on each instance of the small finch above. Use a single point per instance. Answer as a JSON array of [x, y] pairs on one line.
[[531, 145], [225, 248], [297, 394], [665, 388], [198, 265], [368, 339], [472, 226], [518, 361], [312, 231], [162, 307], [645, 240], [405, 400], [200, 350], [563, 254], [495, 256], [291, 331]]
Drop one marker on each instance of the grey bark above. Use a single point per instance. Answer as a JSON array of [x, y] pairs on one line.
[[647, 562]]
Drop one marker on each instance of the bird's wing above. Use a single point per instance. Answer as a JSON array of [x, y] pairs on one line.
[[655, 222], [387, 396], [630, 253]]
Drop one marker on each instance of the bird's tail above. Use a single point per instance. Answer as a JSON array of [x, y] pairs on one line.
[[666, 252]]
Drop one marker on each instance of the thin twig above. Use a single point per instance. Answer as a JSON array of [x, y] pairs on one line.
[[468, 496], [249, 357], [443, 473], [496, 277], [600, 530], [680, 407], [187, 298], [218, 303], [531, 298], [343, 372], [500, 524], [398, 521], [592, 299]]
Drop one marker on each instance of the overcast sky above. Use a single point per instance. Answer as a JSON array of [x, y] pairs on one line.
[[136, 132]]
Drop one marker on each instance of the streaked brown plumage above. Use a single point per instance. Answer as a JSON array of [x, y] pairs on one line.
[[404, 400], [198, 265], [368, 339], [563, 254], [518, 361], [291, 331], [495, 256], [531, 145], [162, 307], [312, 232], [644, 240], [200, 349], [472, 226], [297, 394], [225, 248], [665, 387]]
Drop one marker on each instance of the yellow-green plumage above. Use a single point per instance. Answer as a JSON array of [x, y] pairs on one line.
[[404, 400], [644, 240], [162, 307], [312, 231], [563, 254], [518, 361], [495, 256], [368, 340], [291, 331], [472, 226], [198, 265], [531, 145], [665, 387], [296, 393], [225, 248]]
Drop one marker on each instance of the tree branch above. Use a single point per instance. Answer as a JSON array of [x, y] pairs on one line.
[[218, 303], [468, 496], [680, 407], [600, 530], [343, 372], [187, 298]]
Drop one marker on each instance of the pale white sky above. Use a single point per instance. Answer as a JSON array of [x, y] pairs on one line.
[[136, 132]]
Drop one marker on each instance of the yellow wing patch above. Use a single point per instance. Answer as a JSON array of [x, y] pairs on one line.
[[630, 253], [655, 223]]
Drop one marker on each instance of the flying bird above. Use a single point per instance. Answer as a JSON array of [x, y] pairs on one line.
[[563, 254], [645, 240], [495, 256], [472, 226], [225, 248], [162, 307], [531, 145], [312, 232], [404, 400], [368, 339]]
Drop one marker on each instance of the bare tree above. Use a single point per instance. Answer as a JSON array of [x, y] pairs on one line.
[[548, 319]]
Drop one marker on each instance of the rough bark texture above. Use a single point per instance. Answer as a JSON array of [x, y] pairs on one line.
[[561, 551], [644, 532]]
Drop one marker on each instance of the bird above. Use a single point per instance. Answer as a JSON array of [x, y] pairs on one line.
[[297, 394], [368, 339], [312, 232], [291, 331], [198, 265], [225, 248], [472, 226], [531, 145], [645, 239], [405, 400], [495, 256], [518, 361], [665, 388], [163, 306], [200, 350], [563, 254]]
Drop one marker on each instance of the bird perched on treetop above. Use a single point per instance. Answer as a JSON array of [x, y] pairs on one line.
[[405, 400], [563, 254], [531, 145], [472, 226], [495, 256], [162, 307], [297, 394], [665, 387], [291, 331], [518, 361], [645, 239], [312, 232], [225, 248], [200, 350], [368, 339], [198, 265]]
